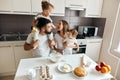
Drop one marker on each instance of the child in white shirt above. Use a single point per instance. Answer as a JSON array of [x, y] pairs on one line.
[[47, 9], [70, 42]]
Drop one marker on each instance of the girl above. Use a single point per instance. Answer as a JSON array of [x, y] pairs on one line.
[[47, 9], [70, 42]]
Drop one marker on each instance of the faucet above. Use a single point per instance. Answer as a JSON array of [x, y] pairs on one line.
[[18, 36]]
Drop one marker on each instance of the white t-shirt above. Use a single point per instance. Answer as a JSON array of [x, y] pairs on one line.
[[68, 50], [43, 49], [59, 41]]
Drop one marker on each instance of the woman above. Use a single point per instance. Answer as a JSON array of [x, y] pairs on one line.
[[63, 28]]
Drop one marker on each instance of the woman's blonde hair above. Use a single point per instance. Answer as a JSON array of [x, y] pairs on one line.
[[65, 26], [46, 5], [74, 32]]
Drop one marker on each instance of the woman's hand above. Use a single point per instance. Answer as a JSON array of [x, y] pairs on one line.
[[65, 44], [61, 51]]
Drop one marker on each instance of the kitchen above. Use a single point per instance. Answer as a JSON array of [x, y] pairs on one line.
[[9, 19]]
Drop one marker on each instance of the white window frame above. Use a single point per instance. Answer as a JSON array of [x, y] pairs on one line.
[[113, 49], [118, 48]]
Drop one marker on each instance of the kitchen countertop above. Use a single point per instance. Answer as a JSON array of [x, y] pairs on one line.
[[73, 60], [13, 37]]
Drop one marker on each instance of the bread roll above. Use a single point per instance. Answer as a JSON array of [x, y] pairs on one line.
[[80, 71]]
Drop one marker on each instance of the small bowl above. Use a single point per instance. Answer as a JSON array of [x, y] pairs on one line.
[[55, 57], [31, 74]]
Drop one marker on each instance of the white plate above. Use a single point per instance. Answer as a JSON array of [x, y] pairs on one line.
[[61, 67]]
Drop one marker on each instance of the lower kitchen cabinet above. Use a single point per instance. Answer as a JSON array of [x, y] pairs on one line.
[[7, 62], [20, 53], [93, 48], [10, 55]]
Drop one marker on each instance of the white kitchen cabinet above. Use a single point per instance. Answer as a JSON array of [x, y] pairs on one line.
[[59, 7], [5, 5], [93, 8], [20, 53], [36, 6], [7, 63], [22, 6], [30, 7], [93, 48], [10, 55], [76, 3]]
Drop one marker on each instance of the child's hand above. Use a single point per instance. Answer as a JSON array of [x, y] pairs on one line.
[[77, 49], [65, 44], [35, 44], [52, 43]]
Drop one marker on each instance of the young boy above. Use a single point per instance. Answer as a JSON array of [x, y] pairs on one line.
[[70, 42]]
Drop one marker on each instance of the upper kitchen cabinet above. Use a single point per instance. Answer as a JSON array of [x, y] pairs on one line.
[[22, 6], [36, 6], [5, 5], [76, 4], [93, 8], [59, 7]]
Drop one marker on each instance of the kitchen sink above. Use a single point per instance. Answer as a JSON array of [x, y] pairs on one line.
[[13, 37]]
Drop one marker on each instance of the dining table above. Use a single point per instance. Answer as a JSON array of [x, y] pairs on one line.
[[25, 65]]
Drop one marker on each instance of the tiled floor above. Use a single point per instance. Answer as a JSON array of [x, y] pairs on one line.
[[7, 78]]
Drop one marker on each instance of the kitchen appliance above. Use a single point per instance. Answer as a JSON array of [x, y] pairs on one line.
[[82, 46], [87, 31]]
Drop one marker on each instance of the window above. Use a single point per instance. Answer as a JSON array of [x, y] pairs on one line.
[[115, 39], [118, 48]]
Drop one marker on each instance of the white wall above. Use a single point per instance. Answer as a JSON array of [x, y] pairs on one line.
[[109, 12]]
